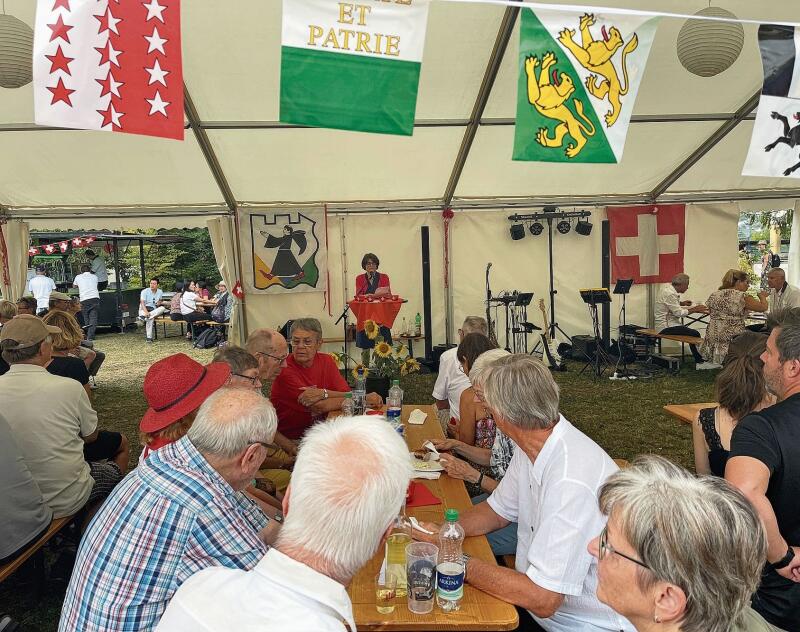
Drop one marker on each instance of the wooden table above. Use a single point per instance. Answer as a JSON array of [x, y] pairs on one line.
[[686, 413], [479, 611]]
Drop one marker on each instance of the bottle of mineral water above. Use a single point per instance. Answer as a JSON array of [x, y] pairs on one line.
[[450, 567], [360, 393], [394, 406], [417, 325], [347, 405]]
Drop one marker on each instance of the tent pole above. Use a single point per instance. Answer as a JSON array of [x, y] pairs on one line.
[[243, 331], [141, 260]]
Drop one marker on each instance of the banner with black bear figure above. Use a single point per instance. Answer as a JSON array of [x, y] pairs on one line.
[[284, 250]]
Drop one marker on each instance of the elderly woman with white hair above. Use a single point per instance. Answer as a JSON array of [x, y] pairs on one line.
[[679, 553]]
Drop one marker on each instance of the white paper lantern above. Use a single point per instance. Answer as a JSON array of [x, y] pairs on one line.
[[707, 48], [16, 52]]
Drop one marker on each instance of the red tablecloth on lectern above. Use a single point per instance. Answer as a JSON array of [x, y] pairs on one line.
[[382, 312]]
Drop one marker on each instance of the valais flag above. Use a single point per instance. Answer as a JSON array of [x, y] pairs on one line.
[[111, 65]]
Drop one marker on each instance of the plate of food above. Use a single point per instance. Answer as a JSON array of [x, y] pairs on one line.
[[420, 465]]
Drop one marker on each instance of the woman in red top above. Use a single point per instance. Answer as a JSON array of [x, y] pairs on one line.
[[372, 281]]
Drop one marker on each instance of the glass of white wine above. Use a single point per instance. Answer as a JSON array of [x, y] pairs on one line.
[[385, 592]]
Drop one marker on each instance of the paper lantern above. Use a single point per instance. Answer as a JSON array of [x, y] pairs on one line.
[[707, 48], [16, 52]]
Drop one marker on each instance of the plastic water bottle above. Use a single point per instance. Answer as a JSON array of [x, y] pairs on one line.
[[394, 407], [347, 405], [450, 567], [418, 325], [404, 330], [360, 393]]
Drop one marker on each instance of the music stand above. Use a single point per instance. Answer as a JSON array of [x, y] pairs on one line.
[[520, 327], [594, 297], [623, 287]]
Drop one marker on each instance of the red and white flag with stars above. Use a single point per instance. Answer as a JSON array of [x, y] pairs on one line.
[[111, 65]]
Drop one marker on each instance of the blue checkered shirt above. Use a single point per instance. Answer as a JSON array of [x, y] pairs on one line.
[[169, 518]]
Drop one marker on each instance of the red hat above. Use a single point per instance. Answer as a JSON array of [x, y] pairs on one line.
[[177, 385]]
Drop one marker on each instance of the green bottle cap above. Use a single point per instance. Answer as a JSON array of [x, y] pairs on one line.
[[395, 382], [348, 396], [451, 515]]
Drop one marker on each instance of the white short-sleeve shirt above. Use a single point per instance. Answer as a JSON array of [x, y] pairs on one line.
[[188, 302], [40, 287], [451, 381], [554, 502], [86, 283]]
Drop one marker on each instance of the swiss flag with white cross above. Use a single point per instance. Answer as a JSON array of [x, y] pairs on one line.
[[110, 65], [647, 242]]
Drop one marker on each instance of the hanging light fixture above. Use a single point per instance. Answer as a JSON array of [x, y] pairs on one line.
[[707, 48], [536, 228], [583, 227], [16, 52], [517, 231]]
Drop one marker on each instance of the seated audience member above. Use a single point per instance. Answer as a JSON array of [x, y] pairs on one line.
[[670, 310], [62, 301], [201, 289], [740, 390], [93, 358], [451, 380], [330, 532], [679, 553], [25, 515], [66, 343], [726, 308], [550, 490], [311, 385], [781, 294], [26, 305], [764, 464], [223, 304], [7, 311], [475, 426], [181, 510], [150, 307], [192, 309], [497, 457], [175, 387], [175, 312], [52, 421]]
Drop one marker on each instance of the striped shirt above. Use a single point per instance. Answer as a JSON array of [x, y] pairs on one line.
[[169, 518]]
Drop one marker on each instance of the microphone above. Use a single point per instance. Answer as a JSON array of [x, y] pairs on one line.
[[488, 265]]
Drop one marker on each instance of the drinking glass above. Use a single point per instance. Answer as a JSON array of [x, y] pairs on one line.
[[421, 574], [385, 592]]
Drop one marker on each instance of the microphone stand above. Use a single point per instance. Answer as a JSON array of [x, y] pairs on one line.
[[489, 324], [343, 316]]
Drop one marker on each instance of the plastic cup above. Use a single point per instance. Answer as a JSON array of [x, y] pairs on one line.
[[421, 573], [385, 592]]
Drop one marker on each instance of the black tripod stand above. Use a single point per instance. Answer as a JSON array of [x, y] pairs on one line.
[[343, 317], [623, 287], [600, 360]]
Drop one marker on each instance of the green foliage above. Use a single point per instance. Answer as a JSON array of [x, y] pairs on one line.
[[765, 219]]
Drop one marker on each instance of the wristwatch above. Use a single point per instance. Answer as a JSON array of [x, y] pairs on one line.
[[278, 517], [324, 393], [784, 561]]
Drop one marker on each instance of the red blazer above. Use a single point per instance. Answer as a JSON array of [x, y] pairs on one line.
[[361, 282]]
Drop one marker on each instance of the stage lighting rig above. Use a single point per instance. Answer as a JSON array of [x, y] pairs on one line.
[[563, 226], [583, 227], [517, 231], [536, 228]]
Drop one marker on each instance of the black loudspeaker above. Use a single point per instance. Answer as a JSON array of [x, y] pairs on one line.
[[584, 347]]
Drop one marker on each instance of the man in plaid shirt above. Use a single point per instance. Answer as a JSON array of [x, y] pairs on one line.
[[180, 511]]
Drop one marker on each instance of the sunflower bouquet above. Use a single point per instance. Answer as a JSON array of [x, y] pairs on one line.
[[384, 360]]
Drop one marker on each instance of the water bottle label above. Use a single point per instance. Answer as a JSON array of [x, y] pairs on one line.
[[450, 581], [392, 413]]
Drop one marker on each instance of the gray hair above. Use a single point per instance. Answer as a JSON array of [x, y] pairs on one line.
[[348, 484], [16, 356], [240, 360], [777, 270], [522, 391], [475, 325], [261, 341], [787, 321], [482, 363], [230, 420], [680, 279], [307, 324], [677, 523], [7, 310]]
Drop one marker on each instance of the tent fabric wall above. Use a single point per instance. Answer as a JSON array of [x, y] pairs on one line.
[[794, 248], [223, 241], [16, 236]]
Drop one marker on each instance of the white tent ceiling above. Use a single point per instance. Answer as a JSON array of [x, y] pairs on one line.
[[237, 153]]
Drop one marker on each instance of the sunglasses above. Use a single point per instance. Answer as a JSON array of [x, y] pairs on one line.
[[253, 379], [605, 547]]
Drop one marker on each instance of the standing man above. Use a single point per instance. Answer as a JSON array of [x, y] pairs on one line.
[[764, 464], [550, 491], [150, 306], [40, 286], [87, 285], [451, 381], [98, 267], [669, 313]]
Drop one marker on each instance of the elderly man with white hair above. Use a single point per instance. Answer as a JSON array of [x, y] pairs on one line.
[[348, 485], [669, 313], [781, 294], [180, 511], [550, 490]]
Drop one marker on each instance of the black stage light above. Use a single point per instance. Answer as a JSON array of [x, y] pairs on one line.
[[536, 228], [583, 227], [563, 227], [517, 231]]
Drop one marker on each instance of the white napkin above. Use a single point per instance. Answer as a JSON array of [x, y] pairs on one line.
[[431, 476], [417, 417], [416, 525], [433, 453]]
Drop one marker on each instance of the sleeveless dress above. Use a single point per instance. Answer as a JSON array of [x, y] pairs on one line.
[[717, 455], [726, 320], [485, 430]]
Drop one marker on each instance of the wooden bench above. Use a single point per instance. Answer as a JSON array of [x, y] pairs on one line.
[[164, 321], [684, 340], [6, 570]]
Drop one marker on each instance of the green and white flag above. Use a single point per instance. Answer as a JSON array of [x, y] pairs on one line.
[[352, 66], [577, 84]]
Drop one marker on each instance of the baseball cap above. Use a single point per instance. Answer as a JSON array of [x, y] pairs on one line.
[[27, 330], [60, 296]]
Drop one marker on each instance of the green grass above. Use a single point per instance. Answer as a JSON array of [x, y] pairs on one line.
[[624, 418]]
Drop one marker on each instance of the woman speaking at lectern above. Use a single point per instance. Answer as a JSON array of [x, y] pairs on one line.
[[372, 281]]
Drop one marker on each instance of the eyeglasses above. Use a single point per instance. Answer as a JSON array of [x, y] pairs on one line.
[[280, 359], [606, 547], [252, 378], [303, 343]]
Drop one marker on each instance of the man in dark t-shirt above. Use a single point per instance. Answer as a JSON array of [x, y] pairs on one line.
[[764, 464]]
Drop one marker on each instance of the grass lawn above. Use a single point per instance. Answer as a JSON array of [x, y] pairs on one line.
[[624, 418]]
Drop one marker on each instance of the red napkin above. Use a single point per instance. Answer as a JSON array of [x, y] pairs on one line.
[[420, 496]]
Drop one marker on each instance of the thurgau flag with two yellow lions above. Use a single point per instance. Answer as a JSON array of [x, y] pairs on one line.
[[577, 83], [352, 65]]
